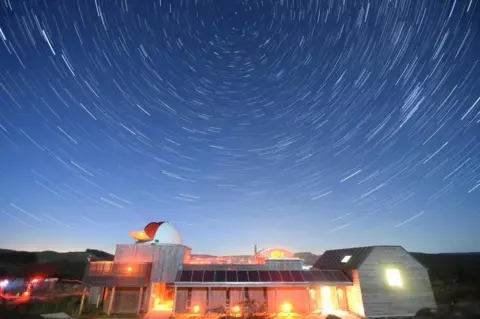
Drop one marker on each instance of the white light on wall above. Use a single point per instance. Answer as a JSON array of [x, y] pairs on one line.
[[346, 259], [393, 277]]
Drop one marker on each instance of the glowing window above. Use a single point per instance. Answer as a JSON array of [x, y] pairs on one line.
[[346, 259], [276, 254], [393, 277]]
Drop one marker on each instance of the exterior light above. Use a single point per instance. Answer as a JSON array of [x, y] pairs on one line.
[[286, 307], [346, 259], [26, 293], [236, 309], [196, 308], [393, 277], [129, 269], [327, 304], [3, 283]]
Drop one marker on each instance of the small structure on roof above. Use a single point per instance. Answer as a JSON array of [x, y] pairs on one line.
[[387, 280]]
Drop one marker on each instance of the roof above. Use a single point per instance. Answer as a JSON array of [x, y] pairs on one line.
[[263, 278], [332, 259]]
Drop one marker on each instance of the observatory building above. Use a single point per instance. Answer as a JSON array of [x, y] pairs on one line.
[[159, 274]]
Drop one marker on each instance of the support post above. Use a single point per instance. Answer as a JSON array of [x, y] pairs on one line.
[[140, 296], [275, 299], [243, 302], [209, 294], [174, 306], [99, 296], [308, 299], [82, 302], [110, 304]]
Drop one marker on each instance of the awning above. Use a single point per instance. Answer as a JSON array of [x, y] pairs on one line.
[[261, 278]]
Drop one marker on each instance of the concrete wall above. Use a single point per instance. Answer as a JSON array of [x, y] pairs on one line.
[[382, 300]]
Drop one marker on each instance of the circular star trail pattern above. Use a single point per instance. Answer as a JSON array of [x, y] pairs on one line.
[[272, 121]]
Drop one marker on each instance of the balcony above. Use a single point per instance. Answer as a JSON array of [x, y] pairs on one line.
[[109, 273]]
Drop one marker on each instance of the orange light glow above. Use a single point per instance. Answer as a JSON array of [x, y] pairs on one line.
[[327, 303], [276, 254], [129, 269], [286, 307], [26, 293], [196, 308], [33, 281], [236, 309]]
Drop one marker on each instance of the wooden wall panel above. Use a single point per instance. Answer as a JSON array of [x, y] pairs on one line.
[[167, 261], [271, 300], [126, 300], [284, 264], [296, 296], [93, 295], [381, 300], [354, 295], [236, 297], [199, 298], [181, 300]]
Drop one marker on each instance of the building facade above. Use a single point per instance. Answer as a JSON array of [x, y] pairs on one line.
[[160, 274]]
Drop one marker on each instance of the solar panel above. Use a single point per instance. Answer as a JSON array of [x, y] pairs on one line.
[[197, 276], [242, 275], [318, 275], [297, 275], [264, 275], [220, 275], [307, 276], [275, 276], [232, 276], [186, 275], [286, 276], [329, 275], [340, 276], [253, 276], [208, 276]]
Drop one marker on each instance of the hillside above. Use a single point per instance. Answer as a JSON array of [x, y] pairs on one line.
[[48, 263]]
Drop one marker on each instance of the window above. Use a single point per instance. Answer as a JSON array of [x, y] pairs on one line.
[[346, 259], [393, 277]]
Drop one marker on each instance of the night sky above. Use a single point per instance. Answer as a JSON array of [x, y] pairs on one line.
[[303, 124]]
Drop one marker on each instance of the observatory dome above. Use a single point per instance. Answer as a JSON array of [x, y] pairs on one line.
[[158, 233]]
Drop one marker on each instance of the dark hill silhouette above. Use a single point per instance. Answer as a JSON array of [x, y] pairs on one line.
[[69, 265]]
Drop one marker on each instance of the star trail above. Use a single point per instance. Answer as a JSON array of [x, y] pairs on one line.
[[304, 124]]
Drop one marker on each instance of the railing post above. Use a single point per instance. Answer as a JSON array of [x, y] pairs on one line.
[[110, 304], [99, 296], [139, 307], [82, 302]]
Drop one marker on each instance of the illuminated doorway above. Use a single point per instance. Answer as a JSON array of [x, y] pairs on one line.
[[161, 296], [342, 298]]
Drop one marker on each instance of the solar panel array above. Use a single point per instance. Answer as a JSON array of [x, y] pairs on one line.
[[262, 276]]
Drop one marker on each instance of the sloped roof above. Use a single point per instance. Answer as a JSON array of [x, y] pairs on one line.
[[332, 259]]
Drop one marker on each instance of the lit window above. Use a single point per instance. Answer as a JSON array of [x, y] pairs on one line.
[[393, 277], [346, 259]]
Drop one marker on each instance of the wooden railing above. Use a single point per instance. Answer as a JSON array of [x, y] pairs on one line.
[[123, 269]]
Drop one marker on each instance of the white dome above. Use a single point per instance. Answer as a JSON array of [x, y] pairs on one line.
[[167, 234]]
